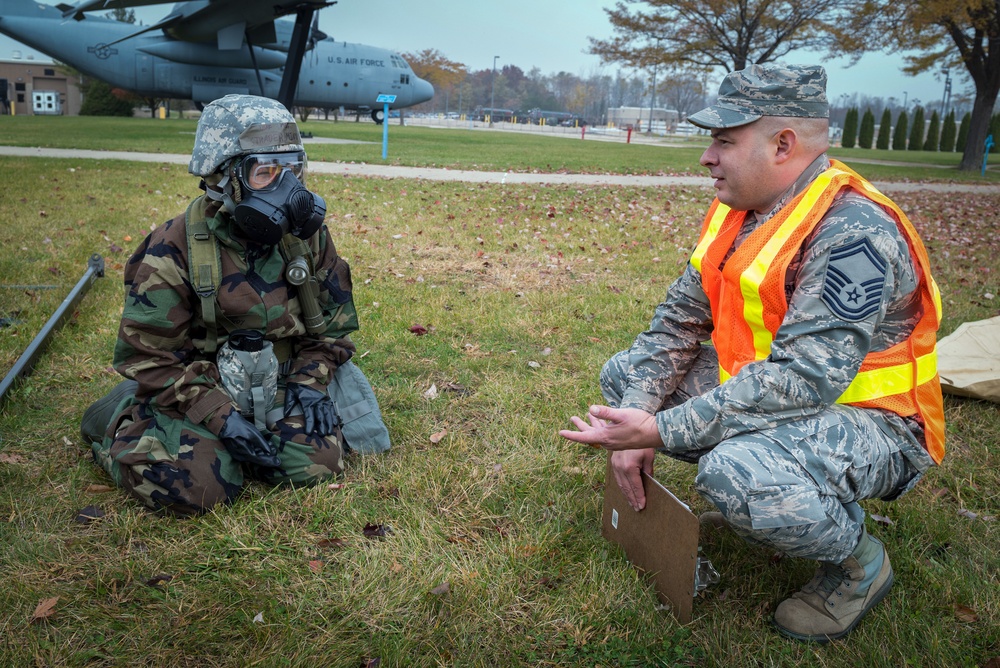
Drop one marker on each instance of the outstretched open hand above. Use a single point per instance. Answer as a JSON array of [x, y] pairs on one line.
[[615, 429]]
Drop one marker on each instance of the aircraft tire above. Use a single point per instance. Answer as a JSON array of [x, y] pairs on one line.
[[378, 116]]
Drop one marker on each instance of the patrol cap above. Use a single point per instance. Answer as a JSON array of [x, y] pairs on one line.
[[240, 124], [766, 90]]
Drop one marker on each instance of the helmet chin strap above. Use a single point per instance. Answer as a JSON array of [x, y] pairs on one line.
[[223, 191]]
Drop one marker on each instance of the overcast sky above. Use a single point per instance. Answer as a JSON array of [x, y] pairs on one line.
[[549, 35]]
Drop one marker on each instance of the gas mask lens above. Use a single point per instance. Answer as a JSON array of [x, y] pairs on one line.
[[260, 171]]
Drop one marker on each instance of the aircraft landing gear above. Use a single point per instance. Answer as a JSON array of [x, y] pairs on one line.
[[378, 116]]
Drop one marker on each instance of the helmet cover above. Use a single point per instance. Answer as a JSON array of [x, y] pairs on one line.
[[241, 124]]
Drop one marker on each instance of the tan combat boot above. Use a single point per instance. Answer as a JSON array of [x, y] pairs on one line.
[[838, 596]]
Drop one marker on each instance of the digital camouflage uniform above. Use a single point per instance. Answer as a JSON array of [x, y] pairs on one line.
[[782, 461], [163, 446]]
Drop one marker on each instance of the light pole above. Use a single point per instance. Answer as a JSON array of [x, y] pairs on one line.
[[946, 98], [904, 100], [652, 96], [493, 78]]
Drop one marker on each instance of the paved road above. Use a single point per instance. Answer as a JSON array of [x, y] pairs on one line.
[[436, 174]]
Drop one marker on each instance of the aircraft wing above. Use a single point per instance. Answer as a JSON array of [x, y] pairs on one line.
[[78, 10], [225, 22], [163, 24]]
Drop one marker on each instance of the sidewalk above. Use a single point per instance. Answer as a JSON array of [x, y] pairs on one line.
[[470, 176]]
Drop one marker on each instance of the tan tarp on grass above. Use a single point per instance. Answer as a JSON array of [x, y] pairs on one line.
[[969, 360]]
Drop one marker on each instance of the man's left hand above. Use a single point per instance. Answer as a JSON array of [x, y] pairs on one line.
[[615, 429]]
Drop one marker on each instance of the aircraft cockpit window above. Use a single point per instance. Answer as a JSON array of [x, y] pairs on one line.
[[398, 62], [404, 78]]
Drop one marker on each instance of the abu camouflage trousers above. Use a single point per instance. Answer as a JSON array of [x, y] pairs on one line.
[[172, 464], [796, 486]]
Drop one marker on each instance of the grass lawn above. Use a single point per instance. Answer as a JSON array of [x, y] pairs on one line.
[[455, 148], [493, 554]]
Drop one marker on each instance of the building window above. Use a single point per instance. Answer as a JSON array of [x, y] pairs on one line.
[[19, 87], [49, 72], [20, 97]]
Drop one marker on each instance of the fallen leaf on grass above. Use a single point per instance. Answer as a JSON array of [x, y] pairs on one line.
[[157, 580], [533, 364], [10, 459], [258, 618], [396, 567], [332, 543], [965, 614], [88, 515], [376, 530], [967, 513], [316, 565], [98, 489], [334, 486], [441, 589], [371, 663], [879, 519], [419, 330], [436, 437], [431, 392], [44, 610]]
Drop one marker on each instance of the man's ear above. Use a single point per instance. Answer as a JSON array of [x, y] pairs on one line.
[[785, 143]]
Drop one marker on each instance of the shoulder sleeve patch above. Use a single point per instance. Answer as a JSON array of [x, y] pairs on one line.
[[855, 277]]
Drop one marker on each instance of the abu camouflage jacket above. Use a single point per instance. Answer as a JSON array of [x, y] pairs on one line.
[[161, 340]]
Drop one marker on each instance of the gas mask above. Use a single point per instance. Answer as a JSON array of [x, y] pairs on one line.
[[272, 200]]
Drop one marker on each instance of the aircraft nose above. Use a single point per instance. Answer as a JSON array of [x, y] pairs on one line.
[[422, 91]]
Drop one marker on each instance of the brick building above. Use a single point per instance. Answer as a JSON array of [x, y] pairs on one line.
[[36, 87]]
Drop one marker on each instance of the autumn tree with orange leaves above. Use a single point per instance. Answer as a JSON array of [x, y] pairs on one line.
[[731, 34], [716, 34], [432, 65], [946, 34]]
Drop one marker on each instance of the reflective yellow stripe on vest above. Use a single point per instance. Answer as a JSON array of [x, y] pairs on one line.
[[867, 385], [753, 276], [714, 226], [877, 383]]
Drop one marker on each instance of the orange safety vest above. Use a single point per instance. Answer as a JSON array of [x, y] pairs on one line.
[[747, 297]]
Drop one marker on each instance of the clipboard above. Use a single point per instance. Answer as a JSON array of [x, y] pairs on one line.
[[661, 540]]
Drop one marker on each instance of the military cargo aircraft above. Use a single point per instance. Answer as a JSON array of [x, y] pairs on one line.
[[204, 49]]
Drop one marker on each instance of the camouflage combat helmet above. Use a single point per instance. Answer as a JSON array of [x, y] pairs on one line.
[[239, 124]]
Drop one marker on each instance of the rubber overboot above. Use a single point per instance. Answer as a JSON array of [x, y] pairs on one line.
[[99, 415], [838, 596]]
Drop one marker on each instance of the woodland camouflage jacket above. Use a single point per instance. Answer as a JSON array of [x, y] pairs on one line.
[[161, 340]]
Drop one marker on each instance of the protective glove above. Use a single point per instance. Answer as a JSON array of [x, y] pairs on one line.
[[245, 442], [317, 409]]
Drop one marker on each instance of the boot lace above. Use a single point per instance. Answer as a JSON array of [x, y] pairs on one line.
[[827, 581]]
